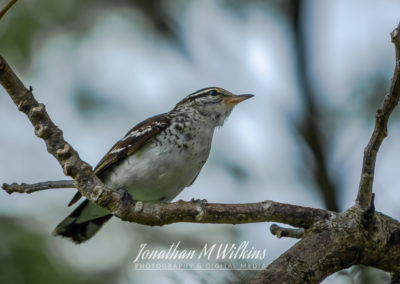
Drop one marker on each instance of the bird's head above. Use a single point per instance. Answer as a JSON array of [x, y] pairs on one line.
[[213, 103]]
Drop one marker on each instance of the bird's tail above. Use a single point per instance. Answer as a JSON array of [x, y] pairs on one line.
[[78, 228]]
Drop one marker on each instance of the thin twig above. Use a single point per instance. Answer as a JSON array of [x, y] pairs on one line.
[[280, 232], [29, 188], [6, 8], [380, 131]]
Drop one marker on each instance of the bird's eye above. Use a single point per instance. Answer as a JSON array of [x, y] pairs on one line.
[[213, 92]]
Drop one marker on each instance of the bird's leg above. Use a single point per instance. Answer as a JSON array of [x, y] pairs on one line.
[[126, 197], [200, 207]]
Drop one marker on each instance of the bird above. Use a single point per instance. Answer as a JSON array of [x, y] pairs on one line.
[[156, 159]]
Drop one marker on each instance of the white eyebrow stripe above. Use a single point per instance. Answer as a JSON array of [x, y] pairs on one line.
[[201, 93]]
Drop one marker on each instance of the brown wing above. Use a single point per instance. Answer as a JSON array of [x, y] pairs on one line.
[[133, 140]]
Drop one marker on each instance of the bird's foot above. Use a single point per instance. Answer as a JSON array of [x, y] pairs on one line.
[[200, 207], [199, 201], [126, 197]]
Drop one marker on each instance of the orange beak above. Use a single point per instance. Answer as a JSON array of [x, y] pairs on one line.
[[235, 99]]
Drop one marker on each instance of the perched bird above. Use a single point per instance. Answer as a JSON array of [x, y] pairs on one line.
[[157, 158]]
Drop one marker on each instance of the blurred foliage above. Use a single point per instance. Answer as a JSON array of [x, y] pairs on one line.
[[26, 257], [310, 126], [21, 29], [89, 103], [236, 170], [156, 10], [367, 97]]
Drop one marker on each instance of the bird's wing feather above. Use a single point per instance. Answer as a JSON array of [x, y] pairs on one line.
[[133, 141], [194, 179]]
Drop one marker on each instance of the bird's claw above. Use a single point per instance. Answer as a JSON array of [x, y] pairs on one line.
[[200, 201], [126, 197]]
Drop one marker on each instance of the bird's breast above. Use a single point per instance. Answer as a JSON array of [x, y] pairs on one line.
[[163, 167]]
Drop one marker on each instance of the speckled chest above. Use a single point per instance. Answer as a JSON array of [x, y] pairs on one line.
[[169, 162], [187, 137]]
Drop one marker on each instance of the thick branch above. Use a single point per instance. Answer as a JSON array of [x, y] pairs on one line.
[[199, 212], [380, 131], [323, 252], [150, 214]]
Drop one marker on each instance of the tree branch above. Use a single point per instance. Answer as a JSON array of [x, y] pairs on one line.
[[202, 212], [7, 7], [380, 131], [280, 232], [346, 243], [29, 188], [144, 213]]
